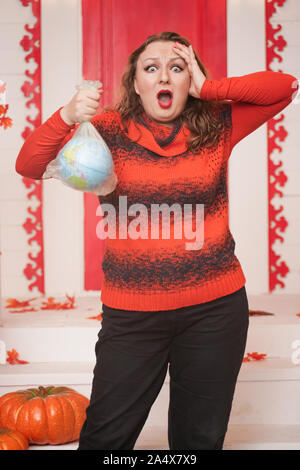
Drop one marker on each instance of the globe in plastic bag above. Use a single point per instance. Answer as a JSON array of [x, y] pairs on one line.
[[84, 163]]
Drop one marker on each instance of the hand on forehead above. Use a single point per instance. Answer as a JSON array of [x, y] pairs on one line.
[[161, 51]]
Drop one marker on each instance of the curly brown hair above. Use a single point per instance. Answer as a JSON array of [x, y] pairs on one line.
[[199, 115]]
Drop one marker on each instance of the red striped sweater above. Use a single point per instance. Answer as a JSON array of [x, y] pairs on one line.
[[149, 273]]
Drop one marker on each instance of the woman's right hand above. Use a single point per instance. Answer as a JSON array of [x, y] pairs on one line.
[[82, 107]]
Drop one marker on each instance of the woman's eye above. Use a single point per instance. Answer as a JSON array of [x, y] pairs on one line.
[[176, 68], [154, 67], [150, 68]]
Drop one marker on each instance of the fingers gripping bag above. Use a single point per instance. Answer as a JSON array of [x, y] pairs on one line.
[[85, 162]]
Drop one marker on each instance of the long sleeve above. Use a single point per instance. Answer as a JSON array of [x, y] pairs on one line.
[[42, 146], [256, 98]]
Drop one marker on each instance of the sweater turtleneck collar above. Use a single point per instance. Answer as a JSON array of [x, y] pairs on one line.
[[163, 134], [160, 139]]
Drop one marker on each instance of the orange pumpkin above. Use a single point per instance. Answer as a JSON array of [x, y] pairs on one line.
[[47, 415], [12, 440]]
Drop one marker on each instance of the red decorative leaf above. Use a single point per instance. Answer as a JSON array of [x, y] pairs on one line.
[[23, 310], [254, 357], [14, 303], [259, 312], [52, 305], [98, 317], [13, 358], [4, 120]]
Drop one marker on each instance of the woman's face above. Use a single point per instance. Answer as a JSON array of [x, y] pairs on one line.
[[162, 81]]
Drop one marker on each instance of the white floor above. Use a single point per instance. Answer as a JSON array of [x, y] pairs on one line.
[[59, 346], [239, 437]]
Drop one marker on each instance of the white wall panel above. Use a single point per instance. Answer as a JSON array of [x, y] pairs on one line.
[[12, 11], [292, 214], [12, 238], [290, 156], [8, 157], [10, 35], [290, 28], [289, 12], [13, 286], [291, 188], [288, 63], [12, 188], [63, 207], [13, 259], [248, 161], [12, 212]]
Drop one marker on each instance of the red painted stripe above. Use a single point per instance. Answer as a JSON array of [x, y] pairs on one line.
[[111, 30]]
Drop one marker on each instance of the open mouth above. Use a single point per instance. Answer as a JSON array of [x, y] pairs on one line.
[[165, 98]]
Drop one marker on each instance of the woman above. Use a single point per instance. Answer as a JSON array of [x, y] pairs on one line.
[[167, 301]]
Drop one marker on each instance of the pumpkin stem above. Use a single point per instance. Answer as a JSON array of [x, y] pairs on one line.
[[43, 392]]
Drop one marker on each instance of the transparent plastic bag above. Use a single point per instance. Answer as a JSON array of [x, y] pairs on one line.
[[85, 162]]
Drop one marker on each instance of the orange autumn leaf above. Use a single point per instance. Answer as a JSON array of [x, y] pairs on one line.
[[49, 303], [246, 359], [98, 317], [70, 304], [23, 310], [258, 357], [13, 358], [259, 312], [254, 357], [52, 305], [14, 303], [5, 121]]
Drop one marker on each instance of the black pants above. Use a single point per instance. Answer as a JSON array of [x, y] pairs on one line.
[[204, 345]]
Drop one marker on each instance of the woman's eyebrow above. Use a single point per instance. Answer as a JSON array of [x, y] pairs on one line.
[[157, 58]]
